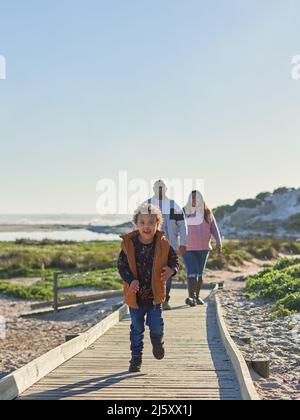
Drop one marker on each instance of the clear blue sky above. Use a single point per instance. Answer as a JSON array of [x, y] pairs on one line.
[[161, 88]]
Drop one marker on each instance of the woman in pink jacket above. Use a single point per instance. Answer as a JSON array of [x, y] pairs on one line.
[[202, 226]]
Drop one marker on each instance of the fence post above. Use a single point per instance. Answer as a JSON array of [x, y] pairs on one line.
[[42, 271], [55, 291]]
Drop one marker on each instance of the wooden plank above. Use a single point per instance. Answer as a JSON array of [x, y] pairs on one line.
[[82, 299]]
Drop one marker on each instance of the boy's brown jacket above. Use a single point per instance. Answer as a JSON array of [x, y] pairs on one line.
[[160, 261]]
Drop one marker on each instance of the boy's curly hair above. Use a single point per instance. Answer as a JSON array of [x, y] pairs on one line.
[[148, 209]]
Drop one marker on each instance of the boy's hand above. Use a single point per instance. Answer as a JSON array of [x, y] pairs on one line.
[[167, 273], [135, 286]]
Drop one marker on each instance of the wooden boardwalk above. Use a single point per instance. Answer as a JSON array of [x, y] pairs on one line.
[[196, 364]]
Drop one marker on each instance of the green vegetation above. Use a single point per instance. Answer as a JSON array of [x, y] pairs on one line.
[[221, 211], [250, 203], [107, 279], [293, 223], [235, 253], [282, 190], [280, 284], [37, 292], [23, 259], [262, 196]]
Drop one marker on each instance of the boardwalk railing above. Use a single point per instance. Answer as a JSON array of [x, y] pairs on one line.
[[57, 303], [239, 364]]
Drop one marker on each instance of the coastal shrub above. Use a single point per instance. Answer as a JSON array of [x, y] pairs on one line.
[[36, 292], [293, 223], [43, 242], [262, 196], [291, 302], [25, 261], [19, 260], [250, 203], [280, 284], [285, 263], [43, 291], [281, 190], [221, 211], [280, 312], [108, 279], [292, 247]]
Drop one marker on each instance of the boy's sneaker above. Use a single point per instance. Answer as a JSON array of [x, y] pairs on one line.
[[159, 351], [135, 364], [200, 301], [191, 302], [167, 306]]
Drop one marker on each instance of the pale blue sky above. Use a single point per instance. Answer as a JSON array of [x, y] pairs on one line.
[[160, 88]]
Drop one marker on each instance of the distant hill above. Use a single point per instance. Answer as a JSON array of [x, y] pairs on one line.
[[269, 214], [275, 214]]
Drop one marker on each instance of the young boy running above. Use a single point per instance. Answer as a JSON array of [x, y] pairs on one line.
[[145, 263]]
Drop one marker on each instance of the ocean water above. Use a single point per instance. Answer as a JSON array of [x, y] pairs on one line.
[[63, 219], [68, 235], [60, 219]]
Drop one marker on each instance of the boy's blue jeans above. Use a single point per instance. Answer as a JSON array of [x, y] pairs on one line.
[[153, 318]]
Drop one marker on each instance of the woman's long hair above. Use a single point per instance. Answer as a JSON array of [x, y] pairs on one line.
[[200, 208]]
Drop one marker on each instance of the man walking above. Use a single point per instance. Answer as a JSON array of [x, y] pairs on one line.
[[174, 225]]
